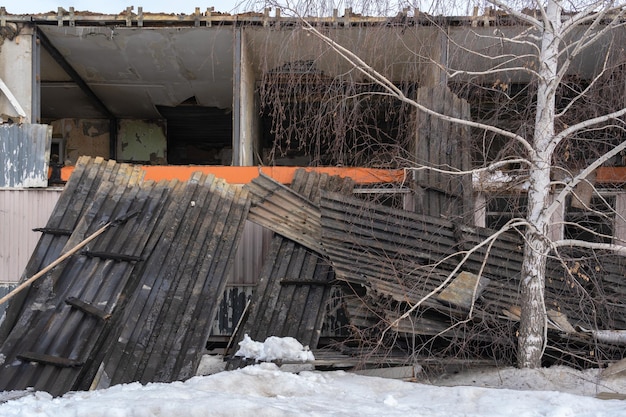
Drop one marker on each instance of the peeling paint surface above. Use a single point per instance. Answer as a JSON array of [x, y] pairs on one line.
[[142, 141], [89, 137], [24, 155]]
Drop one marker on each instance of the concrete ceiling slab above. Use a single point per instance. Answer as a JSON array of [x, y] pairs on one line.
[[134, 70]]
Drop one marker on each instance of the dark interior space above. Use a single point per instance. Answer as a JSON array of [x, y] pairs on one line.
[[198, 135]]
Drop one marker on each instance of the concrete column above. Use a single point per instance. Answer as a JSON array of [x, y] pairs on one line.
[[245, 115], [620, 220], [480, 210], [19, 69]]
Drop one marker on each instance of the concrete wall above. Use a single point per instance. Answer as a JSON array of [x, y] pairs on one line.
[[18, 58], [144, 141], [399, 53]]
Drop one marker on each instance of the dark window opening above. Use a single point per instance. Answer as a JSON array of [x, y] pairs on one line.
[[501, 209], [309, 118], [198, 135]]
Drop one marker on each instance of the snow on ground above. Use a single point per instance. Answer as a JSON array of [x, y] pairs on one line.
[[266, 390]]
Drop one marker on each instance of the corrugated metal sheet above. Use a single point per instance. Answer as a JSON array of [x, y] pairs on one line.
[[406, 255], [403, 260], [4, 290], [164, 328], [253, 247], [22, 210], [295, 284], [71, 205], [286, 212], [141, 297], [24, 155]]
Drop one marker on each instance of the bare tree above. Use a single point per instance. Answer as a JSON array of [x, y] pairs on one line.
[[551, 28], [566, 115]]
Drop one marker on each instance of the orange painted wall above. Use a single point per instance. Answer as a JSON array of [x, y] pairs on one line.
[[243, 175], [611, 175]]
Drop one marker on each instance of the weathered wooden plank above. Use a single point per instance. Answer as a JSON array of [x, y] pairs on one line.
[[423, 133], [88, 308], [437, 145], [437, 139], [53, 231], [49, 360], [119, 257]]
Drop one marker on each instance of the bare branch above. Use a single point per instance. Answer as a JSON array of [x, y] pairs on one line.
[[618, 249], [585, 40], [585, 124], [496, 69], [587, 229], [560, 199], [490, 168], [589, 14], [586, 90], [523, 17]]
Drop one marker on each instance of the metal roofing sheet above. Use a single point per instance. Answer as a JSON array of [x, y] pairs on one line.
[[294, 286], [405, 260], [21, 211], [181, 235], [24, 155]]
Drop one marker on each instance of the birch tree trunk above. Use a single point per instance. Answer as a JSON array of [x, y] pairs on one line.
[[532, 324]]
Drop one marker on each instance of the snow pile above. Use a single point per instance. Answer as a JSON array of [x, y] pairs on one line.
[[274, 348], [264, 390]]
